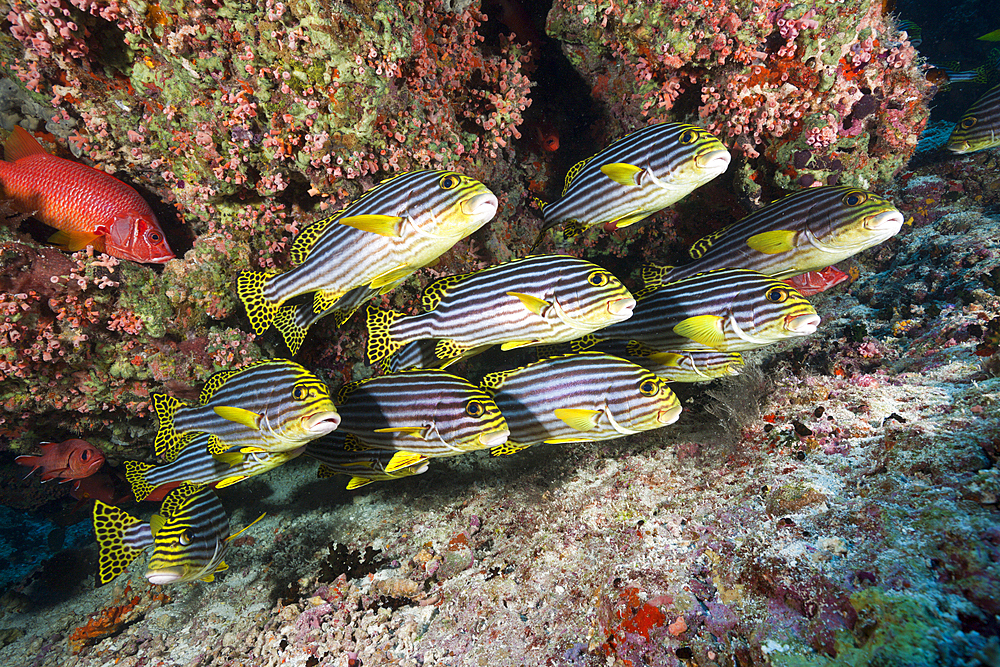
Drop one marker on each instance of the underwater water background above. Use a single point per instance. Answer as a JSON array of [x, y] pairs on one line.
[[834, 505]]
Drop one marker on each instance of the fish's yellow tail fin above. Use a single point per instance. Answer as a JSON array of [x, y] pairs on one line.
[[380, 341], [110, 527], [168, 442], [250, 288], [292, 333], [135, 473]]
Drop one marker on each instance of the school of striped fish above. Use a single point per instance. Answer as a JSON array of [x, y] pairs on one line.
[[605, 356]]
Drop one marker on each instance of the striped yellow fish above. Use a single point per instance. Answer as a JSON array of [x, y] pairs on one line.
[[189, 537], [579, 398], [195, 465], [805, 231], [635, 177], [269, 406], [535, 300], [979, 128], [395, 228], [730, 310], [676, 365], [424, 411], [341, 453]]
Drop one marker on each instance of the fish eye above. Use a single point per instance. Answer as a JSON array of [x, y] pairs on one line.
[[84, 455], [688, 136], [154, 237], [299, 393], [475, 408], [855, 198], [967, 122], [448, 181], [648, 388], [776, 295], [184, 538], [598, 279]]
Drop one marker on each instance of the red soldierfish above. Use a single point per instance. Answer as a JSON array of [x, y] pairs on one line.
[[72, 459], [814, 282], [88, 206]]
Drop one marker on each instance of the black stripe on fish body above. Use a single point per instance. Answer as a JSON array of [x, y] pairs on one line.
[[824, 225], [592, 197], [425, 411], [757, 303], [979, 127], [483, 307], [531, 398]]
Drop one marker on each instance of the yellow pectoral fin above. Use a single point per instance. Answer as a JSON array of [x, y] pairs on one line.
[[622, 173], [222, 566], [772, 243], [358, 482], [704, 329], [565, 441], [532, 303], [514, 344], [577, 418], [230, 458], [229, 481], [383, 225], [389, 279], [671, 359], [405, 430], [238, 416], [77, 240], [402, 460], [155, 523]]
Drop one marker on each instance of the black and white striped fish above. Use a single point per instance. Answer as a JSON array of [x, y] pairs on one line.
[[805, 231], [189, 537], [194, 464], [535, 300], [730, 310], [676, 365], [341, 453], [395, 228], [268, 406], [579, 398], [636, 176], [979, 128], [424, 411]]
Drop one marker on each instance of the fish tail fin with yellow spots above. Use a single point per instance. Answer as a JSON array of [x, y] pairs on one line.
[[250, 288], [135, 473], [110, 527], [380, 341], [167, 442], [291, 331], [653, 277]]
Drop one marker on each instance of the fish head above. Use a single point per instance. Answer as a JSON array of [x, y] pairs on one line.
[[590, 297], [850, 221], [978, 129], [706, 156], [471, 420], [189, 536], [777, 311], [188, 557], [458, 207], [137, 236], [84, 459]]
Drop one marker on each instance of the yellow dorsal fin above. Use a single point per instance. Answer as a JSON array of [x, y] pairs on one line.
[[238, 416], [383, 225], [623, 173], [704, 329], [578, 418], [772, 243], [435, 291]]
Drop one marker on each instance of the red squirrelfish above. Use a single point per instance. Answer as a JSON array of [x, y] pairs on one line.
[[814, 282], [72, 459], [86, 205]]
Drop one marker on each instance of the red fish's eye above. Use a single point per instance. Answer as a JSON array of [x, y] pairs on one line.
[[84, 455], [154, 237]]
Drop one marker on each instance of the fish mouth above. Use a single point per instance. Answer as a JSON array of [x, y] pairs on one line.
[[622, 307], [484, 204], [670, 415], [714, 161], [802, 325], [321, 423], [167, 575], [494, 438], [886, 222], [959, 147]]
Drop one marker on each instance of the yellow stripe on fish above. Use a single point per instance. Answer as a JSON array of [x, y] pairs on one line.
[[979, 128], [535, 300], [376, 242], [579, 398], [636, 176], [729, 310], [424, 411], [189, 537], [268, 406], [805, 231]]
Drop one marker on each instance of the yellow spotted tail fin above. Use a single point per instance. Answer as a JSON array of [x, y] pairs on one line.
[[135, 473], [110, 524], [380, 342], [250, 289], [168, 442], [291, 332]]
